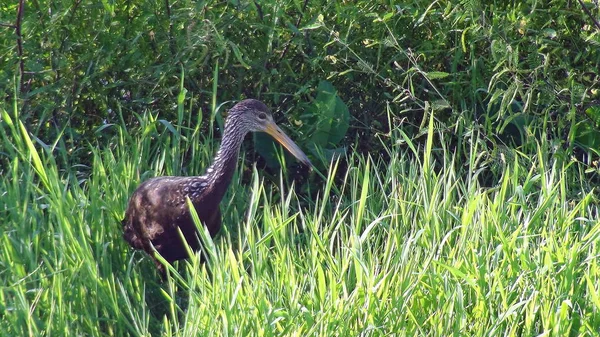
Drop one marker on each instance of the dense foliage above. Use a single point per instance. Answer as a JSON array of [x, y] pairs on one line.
[[511, 68]]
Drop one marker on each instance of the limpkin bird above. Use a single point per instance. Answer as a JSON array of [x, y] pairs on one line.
[[159, 205]]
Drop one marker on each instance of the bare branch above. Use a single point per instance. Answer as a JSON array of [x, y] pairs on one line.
[[587, 11], [20, 42]]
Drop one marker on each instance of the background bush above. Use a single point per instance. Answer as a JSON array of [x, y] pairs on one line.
[[511, 70]]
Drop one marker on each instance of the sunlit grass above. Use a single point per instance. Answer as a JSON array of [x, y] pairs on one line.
[[409, 245]]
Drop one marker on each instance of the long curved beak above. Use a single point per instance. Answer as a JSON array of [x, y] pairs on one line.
[[280, 136]]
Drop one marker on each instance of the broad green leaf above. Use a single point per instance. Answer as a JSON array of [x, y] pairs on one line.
[[331, 115]]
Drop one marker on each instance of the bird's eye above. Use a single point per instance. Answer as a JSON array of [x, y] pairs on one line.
[[262, 115]]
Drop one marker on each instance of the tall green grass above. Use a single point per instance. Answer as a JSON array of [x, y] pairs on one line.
[[410, 245]]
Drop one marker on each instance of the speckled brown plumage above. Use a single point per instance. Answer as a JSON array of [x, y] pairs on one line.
[[158, 206]]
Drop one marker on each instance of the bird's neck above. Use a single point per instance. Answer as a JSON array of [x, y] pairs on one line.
[[220, 173]]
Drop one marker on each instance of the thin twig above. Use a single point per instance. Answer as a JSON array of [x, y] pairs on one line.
[[171, 39], [587, 11], [259, 10], [20, 43], [288, 43]]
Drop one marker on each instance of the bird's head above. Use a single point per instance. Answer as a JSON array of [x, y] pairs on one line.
[[254, 116]]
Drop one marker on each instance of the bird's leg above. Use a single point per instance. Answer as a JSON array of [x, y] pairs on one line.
[[162, 269]]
